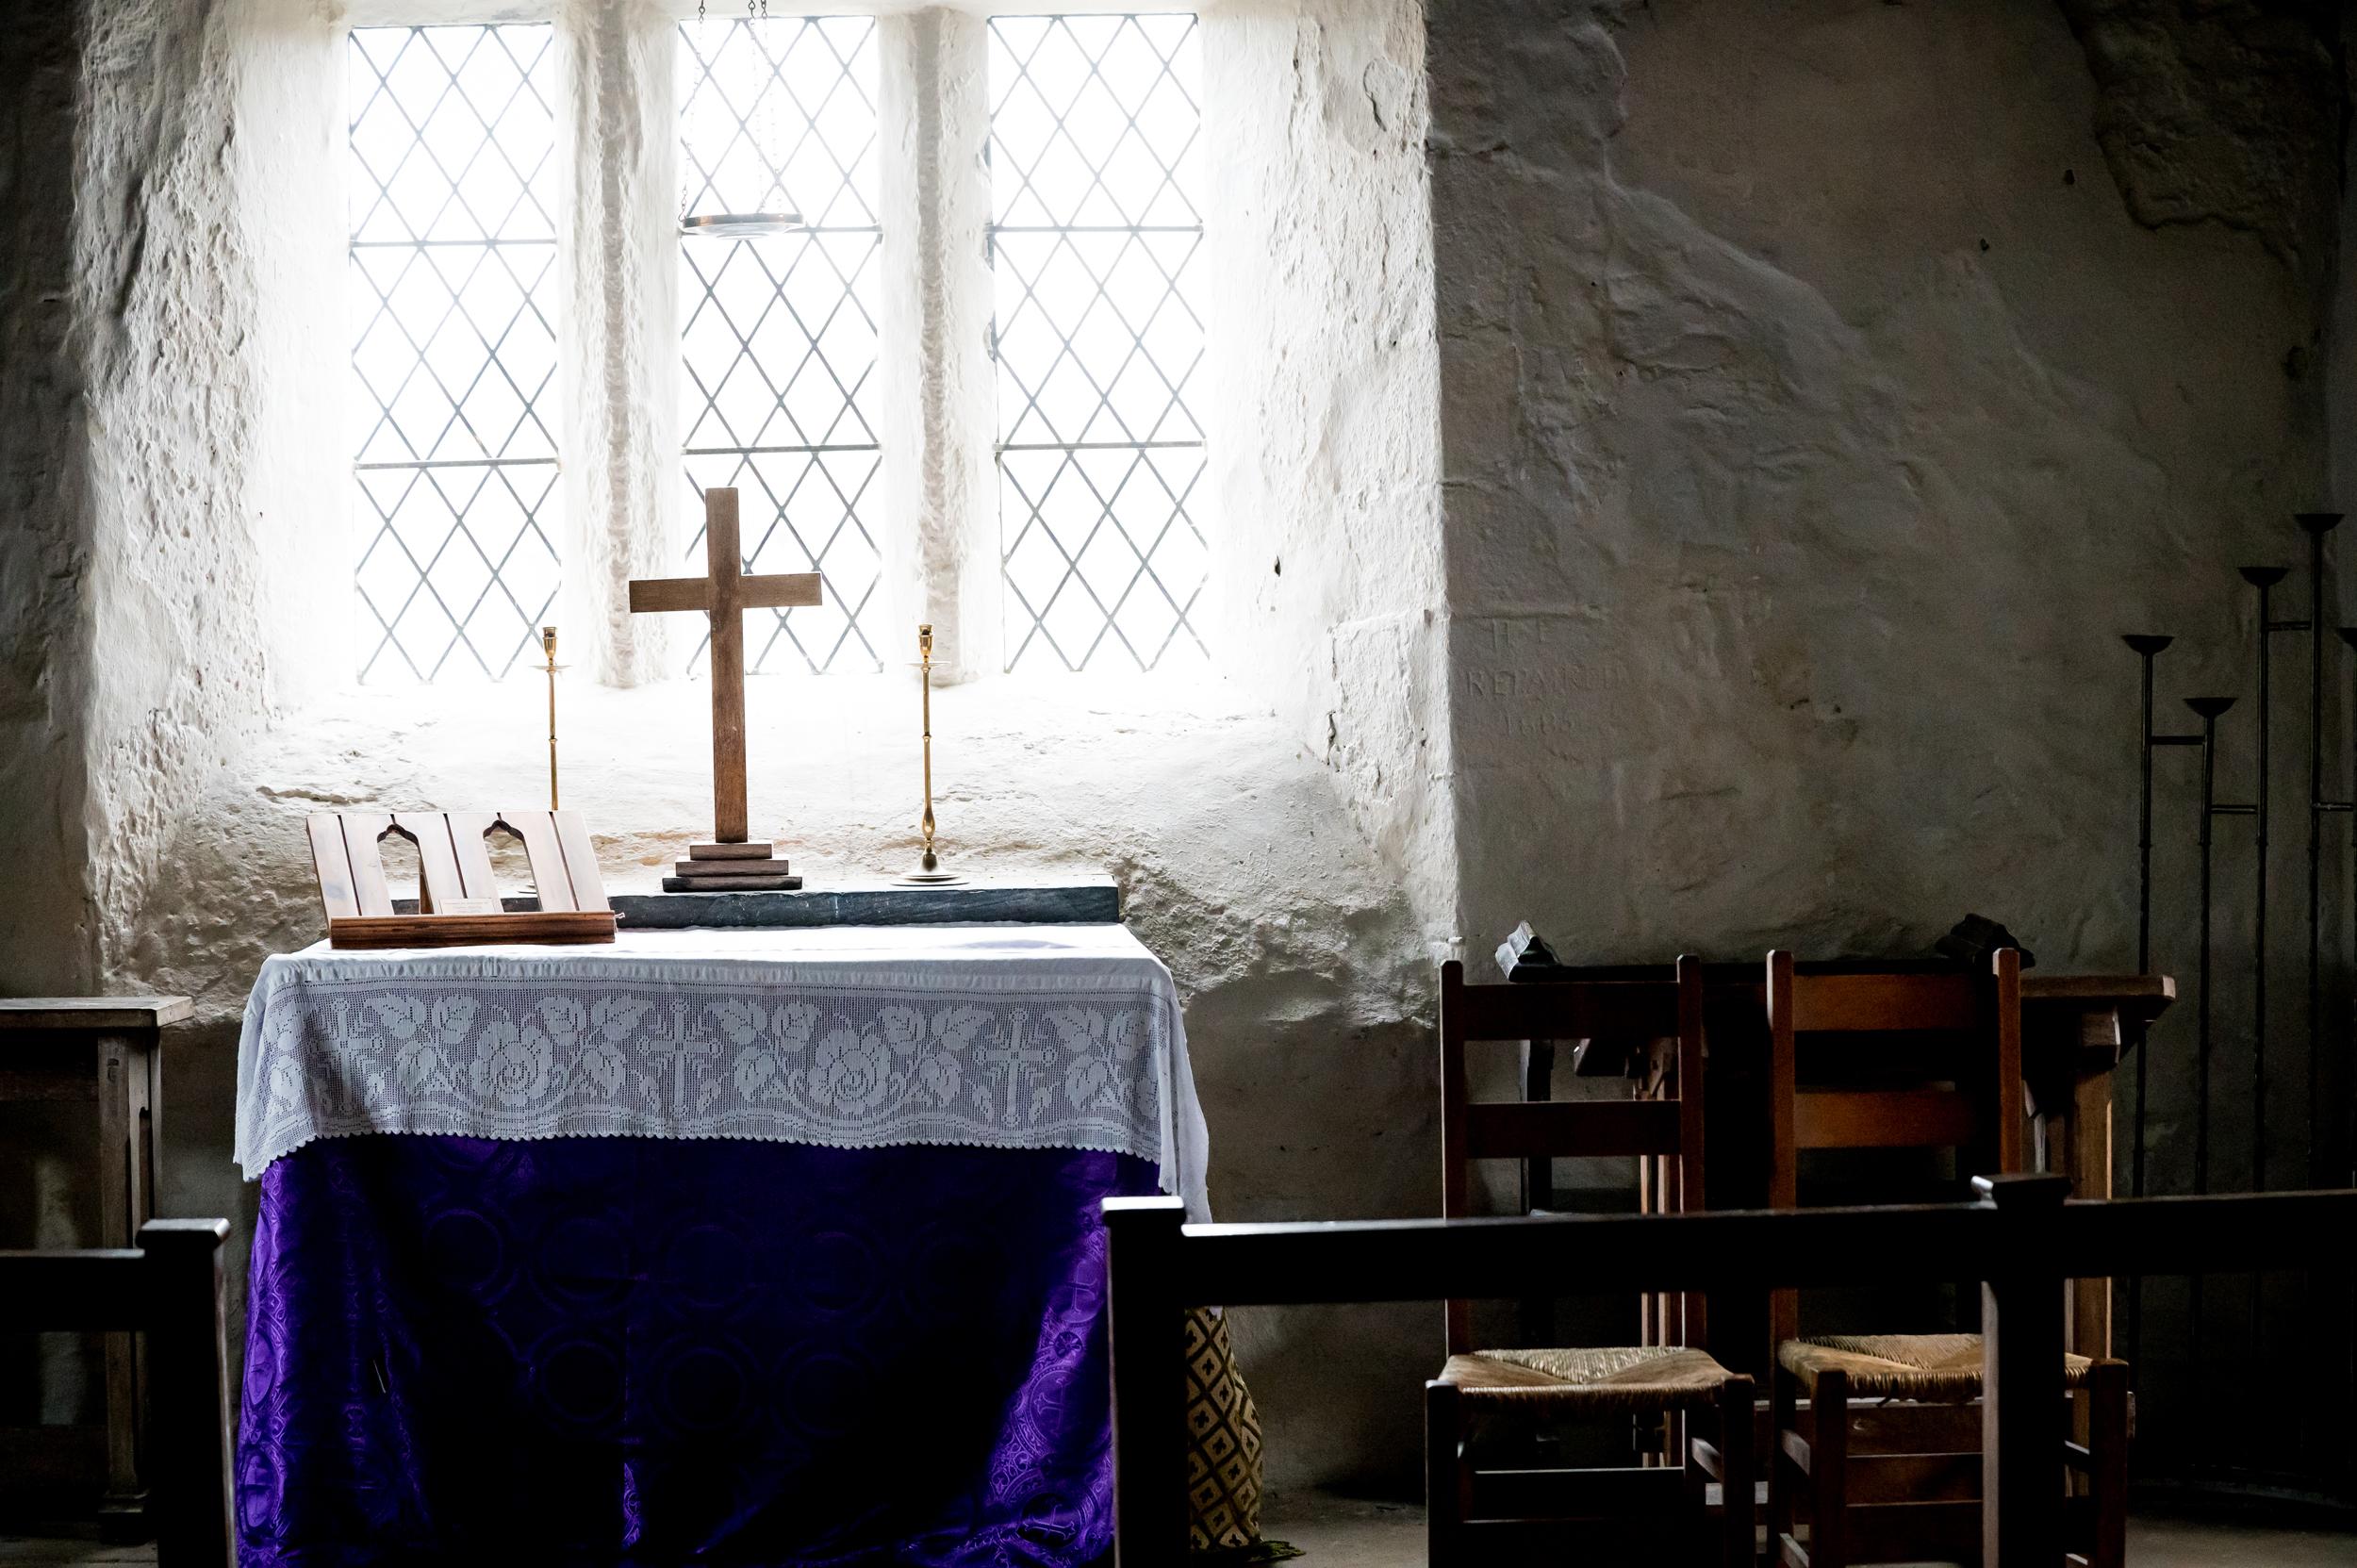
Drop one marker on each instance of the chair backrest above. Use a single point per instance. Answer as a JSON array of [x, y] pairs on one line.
[[1669, 1127], [1978, 1109]]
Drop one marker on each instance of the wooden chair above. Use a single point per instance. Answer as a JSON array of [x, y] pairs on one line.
[[106, 1051], [169, 1288], [1887, 1451], [1482, 1515]]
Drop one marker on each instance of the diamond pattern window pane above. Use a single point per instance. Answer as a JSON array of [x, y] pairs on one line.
[[452, 280], [777, 349], [1097, 219]]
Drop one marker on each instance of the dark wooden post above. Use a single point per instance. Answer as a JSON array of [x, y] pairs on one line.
[[2022, 1404], [1444, 1509], [188, 1378], [1146, 1326], [1535, 1313]]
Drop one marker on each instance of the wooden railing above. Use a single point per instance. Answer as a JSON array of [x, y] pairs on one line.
[[170, 1288], [2022, 1240]]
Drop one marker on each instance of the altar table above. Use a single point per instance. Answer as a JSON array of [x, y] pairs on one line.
[[746, 1246]]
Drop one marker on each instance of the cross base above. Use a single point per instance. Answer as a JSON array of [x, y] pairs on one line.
[[748, 882], [722, 866], [758, 850]]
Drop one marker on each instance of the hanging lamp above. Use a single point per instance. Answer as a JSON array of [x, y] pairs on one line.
[[721, 214]]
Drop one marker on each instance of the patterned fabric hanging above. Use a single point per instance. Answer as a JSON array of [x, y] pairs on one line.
[[1222, 1448]]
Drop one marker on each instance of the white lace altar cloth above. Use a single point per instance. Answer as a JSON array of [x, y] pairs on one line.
[[851, 1037]]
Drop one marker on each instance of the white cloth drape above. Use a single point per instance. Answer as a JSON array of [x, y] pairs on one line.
[[851, 1037]]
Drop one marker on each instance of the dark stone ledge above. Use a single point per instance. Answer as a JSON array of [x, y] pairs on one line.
[[1051, 901]]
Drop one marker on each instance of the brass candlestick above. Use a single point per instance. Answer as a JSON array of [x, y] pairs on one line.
[[548, 649], [929, 871]]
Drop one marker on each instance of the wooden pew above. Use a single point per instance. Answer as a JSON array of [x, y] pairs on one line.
[[2015, 1240], [168, 1287]]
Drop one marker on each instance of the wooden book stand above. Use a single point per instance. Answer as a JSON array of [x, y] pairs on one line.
[[458, 897]]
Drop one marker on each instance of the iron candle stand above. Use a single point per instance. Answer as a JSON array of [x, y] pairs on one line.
[[2316, 525], [2349, 640], [2264, 579], [2208, 709], [2147, 647]]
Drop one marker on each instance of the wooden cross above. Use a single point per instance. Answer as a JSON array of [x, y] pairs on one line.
[[724, 592]]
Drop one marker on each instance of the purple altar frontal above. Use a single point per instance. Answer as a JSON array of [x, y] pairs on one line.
[[731, 1247], [620, 1350]]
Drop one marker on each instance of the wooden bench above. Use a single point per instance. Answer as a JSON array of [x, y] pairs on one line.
[[99, 1050], [2022, 1240]]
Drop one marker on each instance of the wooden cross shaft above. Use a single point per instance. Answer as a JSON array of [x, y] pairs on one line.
[[724, 592]]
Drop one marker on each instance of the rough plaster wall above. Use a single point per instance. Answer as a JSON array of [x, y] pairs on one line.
[[166, 301], [1322, 386], [2224, 113], [1816, 412], [1793, 498], [619, 264], [47, 924], [1326, 589]]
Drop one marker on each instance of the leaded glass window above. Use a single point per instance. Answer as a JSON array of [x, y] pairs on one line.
[[778, 341], [451, 278], [1097, 219]]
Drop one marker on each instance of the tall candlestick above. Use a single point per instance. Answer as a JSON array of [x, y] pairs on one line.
[[548, 648], [929, 865], [925, 685]]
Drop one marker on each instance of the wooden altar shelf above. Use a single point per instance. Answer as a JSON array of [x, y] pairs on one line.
[[459, 903], [1159, 1267], [102, 1050], [168, 1287]]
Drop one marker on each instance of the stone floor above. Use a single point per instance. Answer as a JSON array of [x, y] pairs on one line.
[[1391, 1535], [1341, 1530]]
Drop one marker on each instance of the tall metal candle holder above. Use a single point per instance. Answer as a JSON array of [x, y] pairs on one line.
[[2316, 525], [929, 872], [2147, 647], [548, 650]]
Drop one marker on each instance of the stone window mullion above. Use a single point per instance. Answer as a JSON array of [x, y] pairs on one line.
[[941, 554], [619, 353]]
